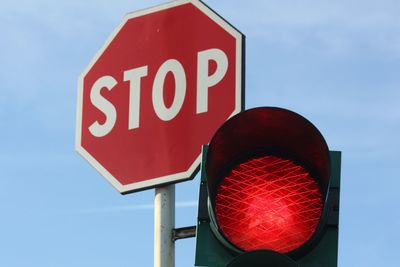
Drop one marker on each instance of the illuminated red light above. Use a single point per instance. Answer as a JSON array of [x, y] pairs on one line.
[[268, 203]]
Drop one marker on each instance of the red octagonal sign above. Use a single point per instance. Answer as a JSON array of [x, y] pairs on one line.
[[157, 90]]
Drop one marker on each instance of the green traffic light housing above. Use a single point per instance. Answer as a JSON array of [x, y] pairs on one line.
[[266, 178], [262, 258]]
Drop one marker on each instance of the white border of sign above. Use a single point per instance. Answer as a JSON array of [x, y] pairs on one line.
[[188, 174]]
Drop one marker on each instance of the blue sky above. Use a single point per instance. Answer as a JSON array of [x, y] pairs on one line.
[[335, 62]]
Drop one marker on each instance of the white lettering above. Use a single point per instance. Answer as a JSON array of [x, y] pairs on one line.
[[173, 66], [203, 80], [134, 76], [97, 129]]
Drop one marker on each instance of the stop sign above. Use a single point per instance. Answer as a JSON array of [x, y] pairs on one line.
[[157, 90]]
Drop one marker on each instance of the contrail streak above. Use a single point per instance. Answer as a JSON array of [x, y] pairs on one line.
[[144, 207]]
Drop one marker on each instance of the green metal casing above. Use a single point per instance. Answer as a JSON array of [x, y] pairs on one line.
[[210, 252]]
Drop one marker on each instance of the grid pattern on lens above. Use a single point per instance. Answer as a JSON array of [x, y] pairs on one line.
[[268, 203]]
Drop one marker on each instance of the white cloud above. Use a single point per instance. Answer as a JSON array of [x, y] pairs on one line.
[[137, 207]]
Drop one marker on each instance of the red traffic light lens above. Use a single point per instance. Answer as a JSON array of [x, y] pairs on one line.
[[268, 202]]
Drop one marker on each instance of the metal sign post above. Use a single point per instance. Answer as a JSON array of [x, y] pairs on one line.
[[164, 223]]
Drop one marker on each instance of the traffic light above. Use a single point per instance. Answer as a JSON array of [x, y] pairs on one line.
[[269, 194]]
